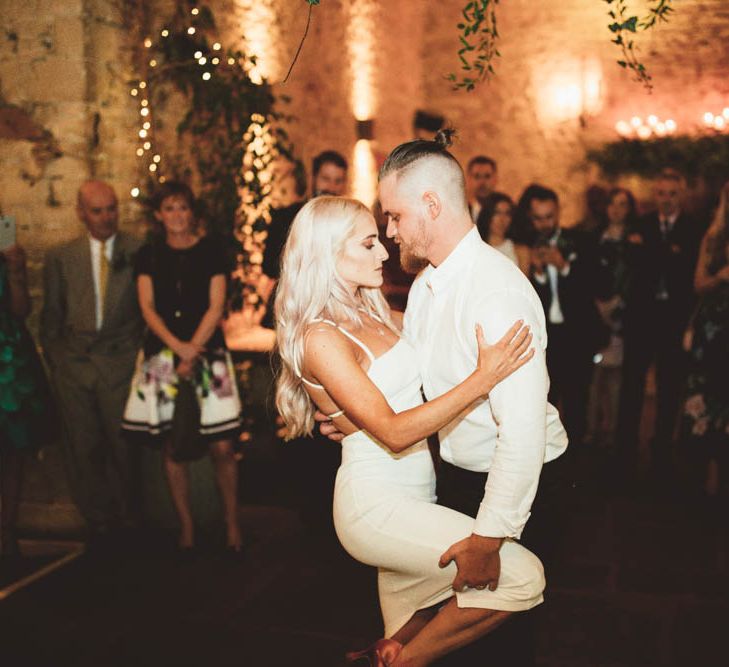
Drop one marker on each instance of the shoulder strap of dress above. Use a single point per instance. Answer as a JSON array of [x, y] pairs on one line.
[[351, 337], [297, 370], [357, 342]]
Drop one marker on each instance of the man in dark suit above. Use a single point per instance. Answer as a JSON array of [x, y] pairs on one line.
[[563, 273], [329, 177], [663, 251], [313, 461], [91, 331]]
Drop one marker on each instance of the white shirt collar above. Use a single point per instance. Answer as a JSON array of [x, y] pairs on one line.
[[439, 277], [95, 243]]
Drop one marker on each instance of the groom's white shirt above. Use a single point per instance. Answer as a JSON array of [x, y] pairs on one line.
[[513, 432]]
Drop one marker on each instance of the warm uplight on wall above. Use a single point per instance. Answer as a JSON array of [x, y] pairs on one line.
[[262, 35], [645, 128], [362, 49], [568, 91], [364, 183]]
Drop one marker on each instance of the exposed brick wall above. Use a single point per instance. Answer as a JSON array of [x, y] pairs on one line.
[[66, 113]]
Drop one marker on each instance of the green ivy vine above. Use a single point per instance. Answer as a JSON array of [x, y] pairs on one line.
[[624, 25], [478, 35]]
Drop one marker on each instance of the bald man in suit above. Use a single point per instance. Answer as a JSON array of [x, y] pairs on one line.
[[91, 331]]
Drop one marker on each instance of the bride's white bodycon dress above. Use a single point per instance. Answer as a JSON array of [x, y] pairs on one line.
[[385, 514]]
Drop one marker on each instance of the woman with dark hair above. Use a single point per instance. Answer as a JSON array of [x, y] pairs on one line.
[[706, 410], [181, 283], [493, 224], [612, 254]]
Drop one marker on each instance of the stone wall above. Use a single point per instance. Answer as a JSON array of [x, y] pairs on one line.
[[551, 46], [66, 113]]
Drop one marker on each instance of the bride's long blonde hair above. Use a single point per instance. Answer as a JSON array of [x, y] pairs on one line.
[[310, 288]]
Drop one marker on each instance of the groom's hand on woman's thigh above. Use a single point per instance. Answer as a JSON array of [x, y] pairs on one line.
[[327, 428], [478, 562]]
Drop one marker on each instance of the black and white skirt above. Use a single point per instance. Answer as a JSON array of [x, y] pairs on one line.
[[151, 403]]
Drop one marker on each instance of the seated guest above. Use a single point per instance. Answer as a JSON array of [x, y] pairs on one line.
[[25, 405], [90, 329], [481, 175], [614, 275], [181, 284], [564, 272], [706, 411], [493, 224]]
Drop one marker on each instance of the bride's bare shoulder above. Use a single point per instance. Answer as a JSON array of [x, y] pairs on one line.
[[397, 316]]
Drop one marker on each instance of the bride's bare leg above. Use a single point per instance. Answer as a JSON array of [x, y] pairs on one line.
[[451, 628]]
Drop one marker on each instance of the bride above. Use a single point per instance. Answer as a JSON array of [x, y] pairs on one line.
[[342, 353]]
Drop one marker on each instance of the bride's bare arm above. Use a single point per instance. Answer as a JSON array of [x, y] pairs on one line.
[[332, 362]]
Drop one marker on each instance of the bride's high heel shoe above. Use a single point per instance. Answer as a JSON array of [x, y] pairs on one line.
[[380, 654]]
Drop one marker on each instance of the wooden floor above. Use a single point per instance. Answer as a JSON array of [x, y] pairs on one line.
[[642, 580]]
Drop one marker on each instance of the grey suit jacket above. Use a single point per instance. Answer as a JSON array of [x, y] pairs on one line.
[[71, 343]]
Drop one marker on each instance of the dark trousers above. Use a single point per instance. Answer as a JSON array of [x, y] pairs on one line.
[[514, 643], [657, 339], [570, 367]]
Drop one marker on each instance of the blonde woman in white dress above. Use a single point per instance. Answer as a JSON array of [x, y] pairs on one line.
[[342, 353]]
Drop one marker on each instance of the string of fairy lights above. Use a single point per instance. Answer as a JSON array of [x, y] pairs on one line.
[[259, 155]]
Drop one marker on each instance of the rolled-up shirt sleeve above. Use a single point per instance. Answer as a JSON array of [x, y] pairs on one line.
[[519, 406]]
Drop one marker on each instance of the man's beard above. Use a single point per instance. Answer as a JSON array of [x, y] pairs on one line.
[[411, 263], [413, 257]]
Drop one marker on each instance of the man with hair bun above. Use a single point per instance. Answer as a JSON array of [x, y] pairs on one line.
[[493, 453]]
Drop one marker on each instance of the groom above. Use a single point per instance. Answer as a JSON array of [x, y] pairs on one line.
[[492, 455]]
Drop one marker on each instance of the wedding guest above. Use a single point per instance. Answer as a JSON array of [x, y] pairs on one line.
[[664, 246], [313, 456], [329, 177], [612, 256], [481, 174], [25, 408], [706, 411], [596, 202], [181, 285], [564, 276], [493, 224], [90, 330], [522, 230]]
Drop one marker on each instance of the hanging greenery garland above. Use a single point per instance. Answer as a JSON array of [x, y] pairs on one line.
[[231, 127], [478, 35], [705, 157]]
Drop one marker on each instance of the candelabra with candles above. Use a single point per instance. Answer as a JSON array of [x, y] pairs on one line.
[[653, 127], [717, 122], [639, 128]]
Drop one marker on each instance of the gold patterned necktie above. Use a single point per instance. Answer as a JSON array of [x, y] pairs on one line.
[[103, 274]]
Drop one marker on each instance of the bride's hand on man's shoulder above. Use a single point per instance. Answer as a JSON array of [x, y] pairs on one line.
[[511, 352]]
